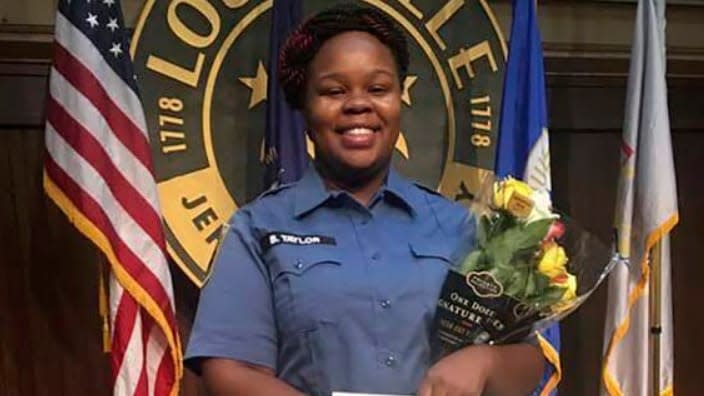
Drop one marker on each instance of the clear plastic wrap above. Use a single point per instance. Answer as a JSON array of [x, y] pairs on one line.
[[530, 267]]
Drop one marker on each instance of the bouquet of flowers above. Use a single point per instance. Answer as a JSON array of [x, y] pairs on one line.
[[529, 267]]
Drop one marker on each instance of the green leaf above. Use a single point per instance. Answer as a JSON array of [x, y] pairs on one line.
[[506, 248], [471, 262], [542, 283], [515, 285], [552, 295], [533, 233], [531, 284]]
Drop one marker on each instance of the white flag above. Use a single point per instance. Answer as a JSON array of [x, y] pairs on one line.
[[646, 212]]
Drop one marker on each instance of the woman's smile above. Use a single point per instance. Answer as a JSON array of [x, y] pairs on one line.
[[358, 137]]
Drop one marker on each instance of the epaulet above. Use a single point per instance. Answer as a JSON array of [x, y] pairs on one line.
[[427, 189], [275, 189]]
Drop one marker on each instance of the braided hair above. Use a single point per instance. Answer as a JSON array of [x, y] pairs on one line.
[[304, 42]]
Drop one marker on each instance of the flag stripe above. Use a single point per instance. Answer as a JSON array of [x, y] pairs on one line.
[[612, 386], [146, 328], [107, 213], [129, 369], [92, 61], [154, 354], [93, 152], [553, 357], [125, 318], [97, 216], [120, 124], [91, 118], [161, 385], [152, 256]]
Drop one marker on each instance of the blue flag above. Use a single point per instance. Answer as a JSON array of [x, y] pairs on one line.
[[284, 143], [523, 148]]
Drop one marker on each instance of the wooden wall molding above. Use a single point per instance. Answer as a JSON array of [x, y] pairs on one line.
[[24, 86]]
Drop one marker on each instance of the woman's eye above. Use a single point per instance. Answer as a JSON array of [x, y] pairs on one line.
[[333, 92], [378, 89]]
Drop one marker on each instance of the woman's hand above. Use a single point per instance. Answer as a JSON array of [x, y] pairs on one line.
[[227, 377], [463, 373], [485, 370]]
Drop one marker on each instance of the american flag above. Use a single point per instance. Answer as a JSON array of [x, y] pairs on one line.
[[98, 170]]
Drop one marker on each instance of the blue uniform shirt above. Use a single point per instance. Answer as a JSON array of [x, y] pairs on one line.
[[332, 295]]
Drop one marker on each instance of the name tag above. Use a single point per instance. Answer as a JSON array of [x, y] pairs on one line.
[[276, 238]]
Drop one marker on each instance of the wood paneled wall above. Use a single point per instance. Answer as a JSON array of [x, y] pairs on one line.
[[50, 326], [49, 323]]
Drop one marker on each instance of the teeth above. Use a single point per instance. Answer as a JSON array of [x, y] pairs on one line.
[[359, 131]]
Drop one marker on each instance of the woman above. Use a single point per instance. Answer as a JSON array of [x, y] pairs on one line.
[[330, 284]]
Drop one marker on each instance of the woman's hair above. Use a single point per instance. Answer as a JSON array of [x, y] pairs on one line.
[[303, 43]]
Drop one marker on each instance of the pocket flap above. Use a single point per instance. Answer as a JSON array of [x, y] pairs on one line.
[[298, 259], [435, 250]]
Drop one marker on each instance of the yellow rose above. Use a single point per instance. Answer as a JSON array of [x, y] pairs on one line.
[[553, 262], [569, 283], [514, 196], [571, 288], [542, 207]]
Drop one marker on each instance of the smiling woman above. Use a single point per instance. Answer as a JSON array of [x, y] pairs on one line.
[[330, 284], [353, 109], [349, 92]]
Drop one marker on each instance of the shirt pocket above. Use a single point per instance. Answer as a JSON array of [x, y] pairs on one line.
[[434, 259], [432, 253], [306, 283]]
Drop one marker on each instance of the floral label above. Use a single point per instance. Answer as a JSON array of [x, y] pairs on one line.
[[475, 310], [484, 284]]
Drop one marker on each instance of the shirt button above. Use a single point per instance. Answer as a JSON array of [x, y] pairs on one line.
[[364, 221], [376, 256], [385, 303], [299, 264], [390, 360]]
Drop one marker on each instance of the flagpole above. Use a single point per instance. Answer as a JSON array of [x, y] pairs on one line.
[[654, 304]]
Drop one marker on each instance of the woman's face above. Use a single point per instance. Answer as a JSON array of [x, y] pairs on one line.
[[353, 105]]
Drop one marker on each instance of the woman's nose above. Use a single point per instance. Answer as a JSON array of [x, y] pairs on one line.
[[358, 103]]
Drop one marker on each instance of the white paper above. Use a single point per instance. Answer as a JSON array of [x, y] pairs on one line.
[[362, 394]]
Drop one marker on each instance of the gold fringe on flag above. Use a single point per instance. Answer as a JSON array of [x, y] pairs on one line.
[[104, 309]]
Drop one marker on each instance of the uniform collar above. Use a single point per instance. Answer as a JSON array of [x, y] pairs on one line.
[[311, 192], [403, 191]]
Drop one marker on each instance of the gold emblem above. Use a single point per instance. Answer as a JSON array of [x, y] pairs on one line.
[[201, 67]]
